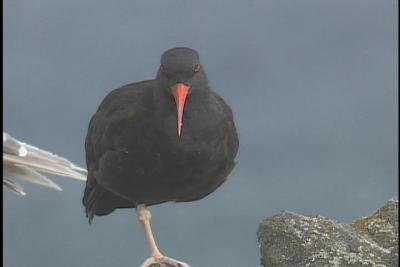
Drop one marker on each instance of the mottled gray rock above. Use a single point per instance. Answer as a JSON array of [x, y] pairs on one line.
[[383, 225], [290, 239]]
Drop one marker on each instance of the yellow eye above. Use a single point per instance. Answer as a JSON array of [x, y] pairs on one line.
[[197, 68]]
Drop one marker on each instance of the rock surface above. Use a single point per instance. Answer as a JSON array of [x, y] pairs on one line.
[[290, 239]]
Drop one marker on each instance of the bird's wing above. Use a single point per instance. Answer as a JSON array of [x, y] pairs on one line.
[[25, 162], [230, 124], [28, 174], [43, 164], [115, 117], [120, 105], [13, 186]]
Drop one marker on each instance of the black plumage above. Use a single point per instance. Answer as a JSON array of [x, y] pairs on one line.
[[138, 153]]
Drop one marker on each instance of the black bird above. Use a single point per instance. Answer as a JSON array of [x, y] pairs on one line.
[[167, 139]]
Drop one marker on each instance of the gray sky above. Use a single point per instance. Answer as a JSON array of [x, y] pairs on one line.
[[313, 86]]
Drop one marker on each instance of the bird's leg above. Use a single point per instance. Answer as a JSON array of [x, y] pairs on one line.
[[144, 217], [156, 257]]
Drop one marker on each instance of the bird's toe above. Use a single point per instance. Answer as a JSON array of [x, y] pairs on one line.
[[163, 262]]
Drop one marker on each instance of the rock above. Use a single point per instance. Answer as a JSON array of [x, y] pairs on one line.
[[290, 239], [383, 225]]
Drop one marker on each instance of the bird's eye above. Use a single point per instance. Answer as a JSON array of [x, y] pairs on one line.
[[197, 68], [162, 69]]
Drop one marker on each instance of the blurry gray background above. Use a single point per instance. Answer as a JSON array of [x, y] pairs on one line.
[[313, 86]]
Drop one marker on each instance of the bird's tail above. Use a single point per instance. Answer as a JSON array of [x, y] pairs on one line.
[[99, 201]]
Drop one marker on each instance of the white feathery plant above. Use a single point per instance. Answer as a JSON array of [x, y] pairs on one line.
[[26, 162]]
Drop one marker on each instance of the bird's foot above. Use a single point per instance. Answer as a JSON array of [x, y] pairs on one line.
[[163, 261]]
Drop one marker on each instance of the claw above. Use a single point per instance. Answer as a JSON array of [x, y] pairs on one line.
[[163, 262]]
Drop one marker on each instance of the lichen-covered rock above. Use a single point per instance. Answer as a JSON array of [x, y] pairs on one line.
[[383, 225], [290, 239]]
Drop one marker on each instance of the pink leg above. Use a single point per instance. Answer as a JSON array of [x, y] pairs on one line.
[[156, 257]]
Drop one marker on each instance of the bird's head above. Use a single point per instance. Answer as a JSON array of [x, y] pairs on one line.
[[181, 74]]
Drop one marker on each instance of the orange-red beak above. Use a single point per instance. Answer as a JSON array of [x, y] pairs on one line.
[[180, 92]]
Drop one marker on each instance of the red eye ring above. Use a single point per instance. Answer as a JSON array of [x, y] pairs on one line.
[[197, 68]]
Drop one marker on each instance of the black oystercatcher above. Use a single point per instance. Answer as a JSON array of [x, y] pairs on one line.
[[168, 139]]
